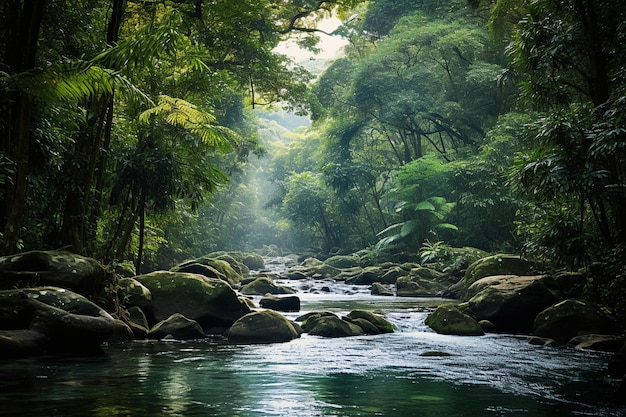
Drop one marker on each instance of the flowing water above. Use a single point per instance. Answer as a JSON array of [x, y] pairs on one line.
[[412, 372]]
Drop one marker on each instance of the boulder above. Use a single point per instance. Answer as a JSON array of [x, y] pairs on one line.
[[23, 342], [61, 269], [209, 301], [379, 289], [121, 333], [264, 285], [253, 261], [447, 319], [368, 276], [274, 302], [304, 319], [510, 302], [381, 324], [220, 267], [132, 293], [332, 326], [599, 342], [500, 264], [177, 327], [343, 261], [266, 326], [573, 317], [50, 319], [414, 286], [138, 325]]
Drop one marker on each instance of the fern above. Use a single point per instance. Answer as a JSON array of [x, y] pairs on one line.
[[181, 113]]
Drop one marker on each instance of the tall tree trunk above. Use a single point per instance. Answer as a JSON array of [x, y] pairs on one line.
[[87, 168], [21, 37], [142, 226]]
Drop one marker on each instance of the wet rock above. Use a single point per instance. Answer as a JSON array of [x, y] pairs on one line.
[[213, 266], [209, 301], [121, 333], [381, 324], [177, 327], [541, 341], [487, 326], [61, 269], [599, 342], [253, 261], [343, 261], [264, 285], [571, 318], [510, 302], [332, 326], [415, 286], [286, 303], [22, 343], [70, 321], [447, 319], [265, 326], [379, 289], [500, 264], [132, 293]]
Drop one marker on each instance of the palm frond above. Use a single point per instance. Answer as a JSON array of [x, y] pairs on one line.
[[74, 80], [181, 113]]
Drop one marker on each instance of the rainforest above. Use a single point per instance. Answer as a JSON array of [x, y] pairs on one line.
[[436, 138]]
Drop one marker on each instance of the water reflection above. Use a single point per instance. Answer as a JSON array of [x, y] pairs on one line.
[[386, 375]]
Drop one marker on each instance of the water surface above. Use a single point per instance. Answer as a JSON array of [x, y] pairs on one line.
[[412, 372]]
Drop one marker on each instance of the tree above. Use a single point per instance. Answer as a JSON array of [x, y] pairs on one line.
[[565, 51]]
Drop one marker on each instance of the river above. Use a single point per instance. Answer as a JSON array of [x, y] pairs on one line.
[[412, 372]]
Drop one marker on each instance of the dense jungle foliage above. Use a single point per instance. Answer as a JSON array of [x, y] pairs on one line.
[[158, 131]]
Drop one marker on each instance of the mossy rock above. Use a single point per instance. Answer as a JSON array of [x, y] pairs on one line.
[[500, 264], [133, 293], [266, 326], [209, 301], [447, 319], [253, 261], [381, 324], [343, 261], [222, 266], [262, 286]]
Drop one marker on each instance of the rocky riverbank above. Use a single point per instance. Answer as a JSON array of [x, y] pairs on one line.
[[60, 302]]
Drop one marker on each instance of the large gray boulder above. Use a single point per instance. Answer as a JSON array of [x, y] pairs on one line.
[[511, 302], [573, 317], [61, 269], [209, 301], [447, 319], [266, 326]]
